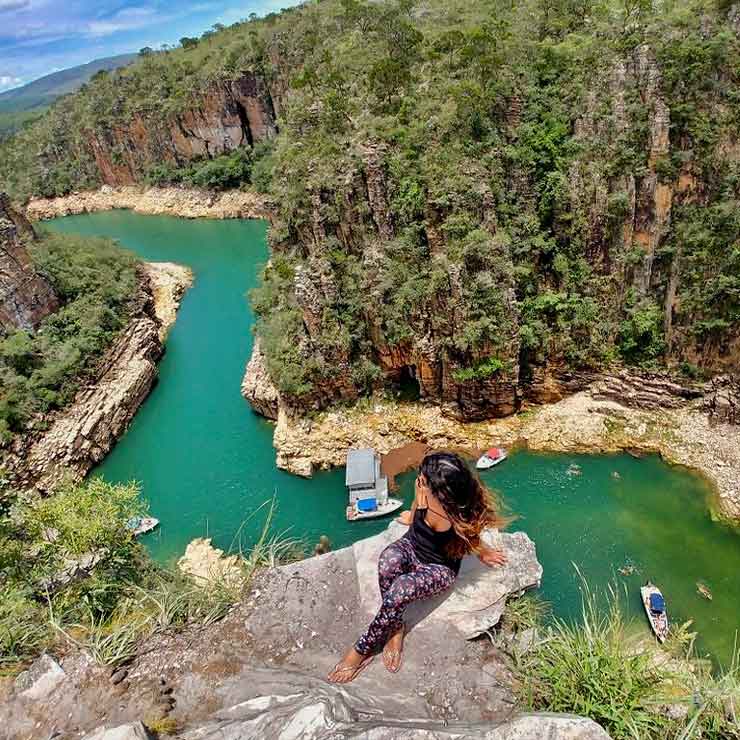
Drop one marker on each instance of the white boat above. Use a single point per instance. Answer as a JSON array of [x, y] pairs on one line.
[[491, 457], [654, 603], [141, 524], [366, 487], [391, 505]]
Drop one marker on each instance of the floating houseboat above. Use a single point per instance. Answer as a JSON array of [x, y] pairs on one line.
[[367, 488]]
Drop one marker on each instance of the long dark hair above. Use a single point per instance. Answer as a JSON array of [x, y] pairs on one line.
[[470, 506]]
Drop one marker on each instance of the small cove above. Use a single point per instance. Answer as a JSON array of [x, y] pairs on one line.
[[206, 462]]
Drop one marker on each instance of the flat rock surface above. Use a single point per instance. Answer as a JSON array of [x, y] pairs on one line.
[[478, 598], [284, 638], [131, 731]]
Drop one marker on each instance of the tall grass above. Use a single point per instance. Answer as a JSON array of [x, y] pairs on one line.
[[715, 711], [121, 606], [596, 668], [587, 668]]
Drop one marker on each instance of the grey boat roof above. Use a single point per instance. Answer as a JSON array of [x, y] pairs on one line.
[[360, 467]]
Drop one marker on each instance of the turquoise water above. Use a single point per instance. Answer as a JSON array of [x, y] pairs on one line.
[[204, 459], [206, 463]]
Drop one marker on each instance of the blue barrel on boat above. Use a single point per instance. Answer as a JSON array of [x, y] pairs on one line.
[[367, 504]]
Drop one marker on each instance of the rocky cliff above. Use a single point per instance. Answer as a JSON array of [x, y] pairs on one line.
[[260, 672], [237, 112], [479, 213], [69, 443], [580, 240], [25, 296]]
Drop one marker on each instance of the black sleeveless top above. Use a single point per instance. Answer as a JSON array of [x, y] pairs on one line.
[[430, 546]]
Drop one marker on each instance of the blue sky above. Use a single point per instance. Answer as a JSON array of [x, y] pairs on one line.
[[42, 36]]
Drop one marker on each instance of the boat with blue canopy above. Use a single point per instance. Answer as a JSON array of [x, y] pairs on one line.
[[655, 608]]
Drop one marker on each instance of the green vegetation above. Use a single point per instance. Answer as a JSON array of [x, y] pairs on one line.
[[511, 156], [482, 370], [220, 173], [12, 122], [599, 668], [22, 105], [72, 572], [95, 281]]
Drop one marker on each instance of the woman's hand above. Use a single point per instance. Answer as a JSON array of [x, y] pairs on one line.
[[491, 557], [405, 517]]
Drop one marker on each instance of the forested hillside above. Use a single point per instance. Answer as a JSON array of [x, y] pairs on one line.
[[23, 104], [495, 198]]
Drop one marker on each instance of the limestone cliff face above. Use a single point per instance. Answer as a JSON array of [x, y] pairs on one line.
[[25, 297], [257, 388], [234, 113]]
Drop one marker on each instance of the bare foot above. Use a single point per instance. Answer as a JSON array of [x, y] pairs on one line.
[[393, 651], [349, 667]]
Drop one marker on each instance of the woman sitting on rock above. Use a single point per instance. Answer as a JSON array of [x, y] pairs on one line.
[[450, 510]]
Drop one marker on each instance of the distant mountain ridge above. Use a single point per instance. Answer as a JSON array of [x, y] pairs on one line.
[[42, 92]]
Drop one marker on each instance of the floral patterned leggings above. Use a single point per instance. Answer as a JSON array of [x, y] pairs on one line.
[[403, 578]]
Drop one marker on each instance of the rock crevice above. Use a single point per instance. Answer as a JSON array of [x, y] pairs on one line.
[[25, 296]]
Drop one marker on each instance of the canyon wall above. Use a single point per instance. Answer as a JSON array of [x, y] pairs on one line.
[[613, 225], [478, 229], [68, 443], [238, 112], [25, 296]]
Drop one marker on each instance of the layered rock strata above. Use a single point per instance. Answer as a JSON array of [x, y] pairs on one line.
[[233, 113], [25, 296], [722, 399], [644, 390], [69, 443], [257, 388]]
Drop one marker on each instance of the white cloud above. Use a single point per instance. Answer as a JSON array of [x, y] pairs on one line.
[[9, 81], [8, 5], [127, 19]]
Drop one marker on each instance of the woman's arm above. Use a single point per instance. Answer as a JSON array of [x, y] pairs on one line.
[[490, 556], [406, 517]]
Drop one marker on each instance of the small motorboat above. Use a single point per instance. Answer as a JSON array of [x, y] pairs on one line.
[[703, 590], [138, 525], [491, 457], [654, 603]]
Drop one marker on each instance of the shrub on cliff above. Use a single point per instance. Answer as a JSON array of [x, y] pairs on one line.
[[40, 540], [553, 183], [95, 280], [71, 571], [220, 173]]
